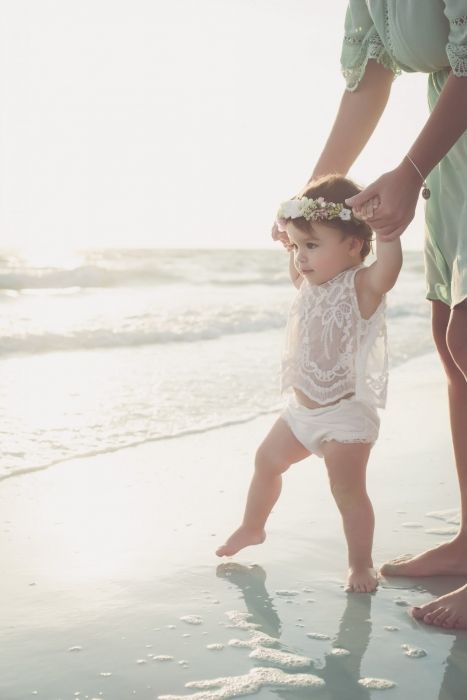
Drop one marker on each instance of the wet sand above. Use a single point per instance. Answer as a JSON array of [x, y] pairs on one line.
[[110, 587]]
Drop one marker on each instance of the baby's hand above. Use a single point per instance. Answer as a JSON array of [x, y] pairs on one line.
[[281, 236], [366, 210]]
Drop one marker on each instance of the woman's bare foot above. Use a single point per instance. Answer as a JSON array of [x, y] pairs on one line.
[[362, 580], [448, 559], [448, 611], [243, 537]]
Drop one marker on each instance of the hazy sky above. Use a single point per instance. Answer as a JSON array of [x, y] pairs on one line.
[[176, 123]]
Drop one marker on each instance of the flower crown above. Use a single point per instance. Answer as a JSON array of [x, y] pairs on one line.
[[311, 210]]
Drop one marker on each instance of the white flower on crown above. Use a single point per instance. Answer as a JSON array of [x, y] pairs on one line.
[[291, 209], [311, 210]]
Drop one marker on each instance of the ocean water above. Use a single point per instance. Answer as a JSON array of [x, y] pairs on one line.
[[106, 349]]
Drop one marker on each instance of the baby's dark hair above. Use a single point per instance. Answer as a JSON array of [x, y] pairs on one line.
[[337, 188]]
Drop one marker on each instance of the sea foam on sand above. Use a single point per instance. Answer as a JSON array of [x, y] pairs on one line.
[[252, 682], [376, 683]]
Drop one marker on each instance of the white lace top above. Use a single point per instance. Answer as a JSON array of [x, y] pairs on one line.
[[330, 350]]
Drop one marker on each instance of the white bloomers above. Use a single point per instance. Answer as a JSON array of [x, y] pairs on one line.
[[347, 421]]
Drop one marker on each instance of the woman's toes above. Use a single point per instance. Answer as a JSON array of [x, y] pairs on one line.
[[420, 612], [450, 621], [430, 616], [439, 619]]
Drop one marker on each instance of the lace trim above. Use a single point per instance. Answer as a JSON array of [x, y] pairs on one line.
[[350, 441], [351, 39], [387, 28], [457, 56], [459, 21], [374, 49]]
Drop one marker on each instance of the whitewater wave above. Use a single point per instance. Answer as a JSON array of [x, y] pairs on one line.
[[84, 277], [148, 268], [103, 269], [92, 277], [87, 339]]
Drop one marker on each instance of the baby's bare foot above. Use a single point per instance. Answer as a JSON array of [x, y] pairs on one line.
[[362, 580], [243, 537]]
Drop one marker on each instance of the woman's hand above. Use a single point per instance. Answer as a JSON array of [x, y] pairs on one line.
[[395, 195]]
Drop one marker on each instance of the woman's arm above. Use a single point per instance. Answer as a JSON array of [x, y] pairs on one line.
[[445, 125], [398, 189], [357, 117]]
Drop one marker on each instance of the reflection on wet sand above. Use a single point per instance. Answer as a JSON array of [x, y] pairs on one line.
[[341, 673], [251, 581]]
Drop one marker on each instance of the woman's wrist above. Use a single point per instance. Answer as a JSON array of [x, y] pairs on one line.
[[406, 171], [421, 176]]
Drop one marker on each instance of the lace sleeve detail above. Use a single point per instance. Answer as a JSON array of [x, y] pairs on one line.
[[457, 56], [456, 47], [362, 43], [371, 49]]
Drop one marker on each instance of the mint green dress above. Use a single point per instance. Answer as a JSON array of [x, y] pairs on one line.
[[427, 36]]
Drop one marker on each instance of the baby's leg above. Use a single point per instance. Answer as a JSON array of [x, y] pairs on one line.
[[346, 464], [276, 453]]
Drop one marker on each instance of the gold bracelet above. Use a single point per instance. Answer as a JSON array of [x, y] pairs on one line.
[[425, 192]]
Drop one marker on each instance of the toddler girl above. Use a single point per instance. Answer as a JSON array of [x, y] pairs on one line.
[[334, 366]]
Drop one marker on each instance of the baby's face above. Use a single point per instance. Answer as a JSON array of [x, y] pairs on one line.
[[323, 253]]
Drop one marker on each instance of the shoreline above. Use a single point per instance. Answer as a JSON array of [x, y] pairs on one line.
[[183, 433]]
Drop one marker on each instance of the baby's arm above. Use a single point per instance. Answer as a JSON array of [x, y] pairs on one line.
[[381, 275], [295, 275], [374, 281]]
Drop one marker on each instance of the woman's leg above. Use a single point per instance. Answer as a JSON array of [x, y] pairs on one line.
[[450, 611], [346, 465], [457, 387], [274, 456], [450, 335]]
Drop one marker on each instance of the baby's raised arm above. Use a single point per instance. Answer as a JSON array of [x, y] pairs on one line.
[[374, 281], [382, 274]]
